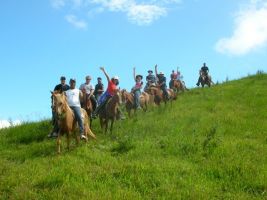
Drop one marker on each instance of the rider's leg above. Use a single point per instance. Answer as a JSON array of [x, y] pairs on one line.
[[199, 80], [94, 102], [137, 94], [78, 117], [165, 92], [171, 84]]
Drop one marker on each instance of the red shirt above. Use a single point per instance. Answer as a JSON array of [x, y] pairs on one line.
[[111, 88]]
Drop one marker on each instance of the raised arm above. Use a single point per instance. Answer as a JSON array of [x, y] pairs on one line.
[[104, 71], [156, 70], [134, 73]]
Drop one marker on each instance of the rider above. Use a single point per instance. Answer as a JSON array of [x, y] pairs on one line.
[[136, 90], [73, 98], [205, 71], [99, 89], [173, 76], [150, 79], [88, 89], [62, 87], [162, 82], [109, 93]]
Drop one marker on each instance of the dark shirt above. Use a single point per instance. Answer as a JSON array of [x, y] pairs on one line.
[[205, 69], [98, 87], [151, 78], [62, 88], [162, 79]]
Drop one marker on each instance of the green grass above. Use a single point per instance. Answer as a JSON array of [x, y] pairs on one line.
[[211, 144]]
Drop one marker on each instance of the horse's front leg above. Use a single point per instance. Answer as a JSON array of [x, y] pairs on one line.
[[58, 142], [68, 141], [106, 125], [111, 125]]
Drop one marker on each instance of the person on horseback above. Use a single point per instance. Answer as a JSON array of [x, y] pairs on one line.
[[99, 89], [88, 89], [173, 76], [73, 99], [150, 80], [203, 71], [109, 93], [162, 82], [62, 87], [136, 90]]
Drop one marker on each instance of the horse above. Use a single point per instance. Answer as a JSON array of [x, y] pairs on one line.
[[66, 120], [128, 99], [86, 104], [178, 86], [110, 112], [159, 96], [205, 79]]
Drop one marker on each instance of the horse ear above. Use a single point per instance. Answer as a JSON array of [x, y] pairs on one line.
[[53, 93]]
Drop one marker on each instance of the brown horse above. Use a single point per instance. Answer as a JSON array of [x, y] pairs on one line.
[[66, 120], [87, 105], [159, 96], [128, 99], [110, 112]]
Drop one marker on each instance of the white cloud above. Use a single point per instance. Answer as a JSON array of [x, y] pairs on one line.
[[73, 20], [6, 123], [145, 14], [138, 12], [58, 3], [250, 31]]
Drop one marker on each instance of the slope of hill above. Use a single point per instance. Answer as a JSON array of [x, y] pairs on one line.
[[211, 144]]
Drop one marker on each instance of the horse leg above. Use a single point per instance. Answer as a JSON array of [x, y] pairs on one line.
[[58, 142], [101, 123], [106, 125], [68, 141], [111, 126], [91, 121]]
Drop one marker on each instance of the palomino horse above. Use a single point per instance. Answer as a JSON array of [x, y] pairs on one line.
[[87, 105], [159, 96], [110, 112], [128, 99], [205, 79], [66, 120]]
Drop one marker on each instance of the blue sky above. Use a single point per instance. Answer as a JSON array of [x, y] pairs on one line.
[[42, 40]]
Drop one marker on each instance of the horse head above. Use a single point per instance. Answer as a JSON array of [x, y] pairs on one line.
[[118, 97], [60, 104], [123, 95]]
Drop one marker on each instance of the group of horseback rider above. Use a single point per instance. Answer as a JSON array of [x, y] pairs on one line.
[[99, 97]]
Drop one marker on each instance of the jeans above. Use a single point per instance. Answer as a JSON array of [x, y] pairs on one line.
[[164, 89], [103, 98], [137, 94], [94, 102], [171, 84], [54, 122], [78, 117]]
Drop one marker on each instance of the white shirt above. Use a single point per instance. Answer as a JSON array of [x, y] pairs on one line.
[[73, 97], [88, 88]]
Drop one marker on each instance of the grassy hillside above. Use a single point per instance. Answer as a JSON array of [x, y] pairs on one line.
[[211, 144]]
